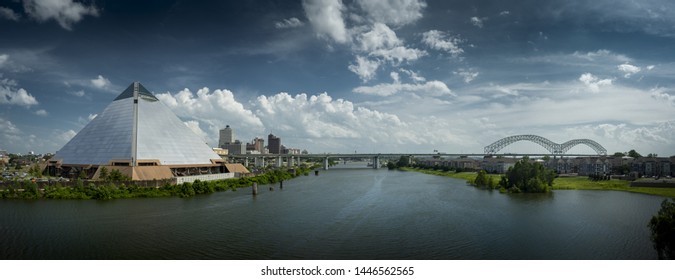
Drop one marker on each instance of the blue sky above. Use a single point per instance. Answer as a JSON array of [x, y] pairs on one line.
[[344, 76]]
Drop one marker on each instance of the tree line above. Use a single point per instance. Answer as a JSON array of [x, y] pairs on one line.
[[114, 187]]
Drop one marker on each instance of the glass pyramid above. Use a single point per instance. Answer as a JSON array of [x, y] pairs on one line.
[[136, 126]]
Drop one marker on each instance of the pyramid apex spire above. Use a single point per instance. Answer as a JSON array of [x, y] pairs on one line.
[[137, 89]]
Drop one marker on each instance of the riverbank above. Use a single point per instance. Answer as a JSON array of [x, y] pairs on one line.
[[117, 190], [563, 183]]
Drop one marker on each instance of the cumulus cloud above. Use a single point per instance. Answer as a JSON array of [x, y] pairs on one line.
[[101, 82], [593, 82], [662, 94], [467, 74], [288, 23], [194, 126], [364, 68], [430, 88], [478, 22], [326, 18], [214, 109], [65, 12], [380, 41], [65, 136], [9, 14], [628, 69], [41, 112], [439, 40], [504, 13], [9, 94], [621, 137], [394, 12]]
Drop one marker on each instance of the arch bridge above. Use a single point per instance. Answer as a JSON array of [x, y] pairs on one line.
[[554, 148]]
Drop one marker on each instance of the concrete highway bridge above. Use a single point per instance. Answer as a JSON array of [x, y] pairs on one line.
[[554, 149]]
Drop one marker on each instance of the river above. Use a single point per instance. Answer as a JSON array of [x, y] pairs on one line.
[[343, 213]]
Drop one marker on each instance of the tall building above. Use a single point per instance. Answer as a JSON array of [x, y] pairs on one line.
[[235, 148], [274, 144], [226, 136], [140, 137], [259, 144]]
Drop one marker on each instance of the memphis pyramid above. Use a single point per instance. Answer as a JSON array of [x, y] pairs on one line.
[[140, 136]]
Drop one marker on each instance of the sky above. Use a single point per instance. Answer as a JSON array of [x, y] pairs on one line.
[[331, 76]]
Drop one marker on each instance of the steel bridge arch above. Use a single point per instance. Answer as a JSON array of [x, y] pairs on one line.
[[549, 145]]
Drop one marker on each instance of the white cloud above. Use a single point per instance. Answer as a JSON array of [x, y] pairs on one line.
[[65, 12], [628, 69], [364, 68], [9, 94], [662, 94], [413, 75], [41, 112], [394, 12], [288, 23], [326, 18], [8, 14], [440, 41], [467, 74], [379, 37], [504, 13], [478, 22], [431, 88], [215, 109], [399, 54], [101, 82], [91, 117], [194, 126], [381, 41], [593, 82], [79, 93], [601, 55], [650, 67], [65, 136]]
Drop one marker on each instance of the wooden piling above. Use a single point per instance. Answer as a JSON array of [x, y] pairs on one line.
[[254, 188]]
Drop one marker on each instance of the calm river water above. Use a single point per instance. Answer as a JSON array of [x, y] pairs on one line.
[[340, 214]]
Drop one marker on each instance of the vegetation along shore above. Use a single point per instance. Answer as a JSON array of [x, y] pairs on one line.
[[126, 189], [560, 183]]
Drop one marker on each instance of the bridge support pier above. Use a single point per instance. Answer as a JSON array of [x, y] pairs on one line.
[[246, 162], [290, 161], [376, 162], [325, 163], [280, 161]]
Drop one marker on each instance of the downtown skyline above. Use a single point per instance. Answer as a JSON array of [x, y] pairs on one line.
[[342, 76]]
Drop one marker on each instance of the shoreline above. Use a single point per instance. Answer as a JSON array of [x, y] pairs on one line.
[[564, 183]]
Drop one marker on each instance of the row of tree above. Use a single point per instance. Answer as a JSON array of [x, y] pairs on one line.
[[113, 188], [525, 176]]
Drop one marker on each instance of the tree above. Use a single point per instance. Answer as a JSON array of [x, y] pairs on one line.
[[650, 155], [103, 174], [481, 179], [619, 154], [527, 176], [35, 171], [662, 226], [117, 176], [634, 154]]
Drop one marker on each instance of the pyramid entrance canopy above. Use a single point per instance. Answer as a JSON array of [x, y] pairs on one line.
[[136, 129]]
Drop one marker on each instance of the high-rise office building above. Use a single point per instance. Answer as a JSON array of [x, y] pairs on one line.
[[273, 144], [226, 136]]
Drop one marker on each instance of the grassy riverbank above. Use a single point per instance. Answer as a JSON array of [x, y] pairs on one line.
[[564, 183]]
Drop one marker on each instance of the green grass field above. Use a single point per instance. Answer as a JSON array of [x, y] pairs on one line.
[[566, 183]]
